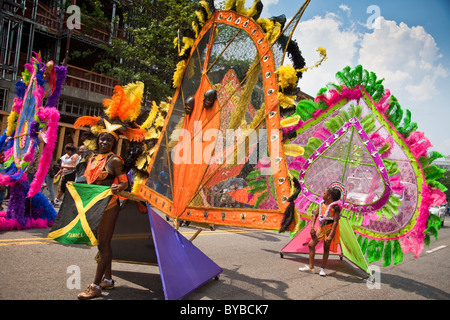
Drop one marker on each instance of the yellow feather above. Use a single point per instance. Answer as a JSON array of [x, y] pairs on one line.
[[152, 134], [164, 106], [96, 129], [252, 11], [11, 122], [188, 43], [159, 122], [323, 53], [274, 35], [175, 42], [285, 101], [151, 116], [195, 28], [293, 150], [206, 7], [240, 6], [90, 144], [287, 76], [134, 93], [291, 121], [229, 4], [200, 17], [138, 181], [179, 72], [140, 162]]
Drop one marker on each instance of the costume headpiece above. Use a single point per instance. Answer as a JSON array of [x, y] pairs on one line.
[[120, 113], [110, 128], [341, 187]]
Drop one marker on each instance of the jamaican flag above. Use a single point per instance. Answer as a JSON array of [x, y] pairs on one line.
[[80, 214]]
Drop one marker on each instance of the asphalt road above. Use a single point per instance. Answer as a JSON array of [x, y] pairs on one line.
[[35, 268]]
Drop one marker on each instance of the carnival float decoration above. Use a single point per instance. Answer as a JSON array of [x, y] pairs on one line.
[[30, 123], [238, 149], [356, 132], [221, 118]]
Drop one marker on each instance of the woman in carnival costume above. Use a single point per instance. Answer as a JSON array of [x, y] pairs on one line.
[[106, 168], [328, 214]]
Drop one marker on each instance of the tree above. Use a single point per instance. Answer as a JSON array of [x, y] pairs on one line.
[[445, 180], [149, 54]]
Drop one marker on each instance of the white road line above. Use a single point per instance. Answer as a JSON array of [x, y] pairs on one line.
[[436, 249]]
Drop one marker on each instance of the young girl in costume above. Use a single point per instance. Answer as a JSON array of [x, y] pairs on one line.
[[328, 214]]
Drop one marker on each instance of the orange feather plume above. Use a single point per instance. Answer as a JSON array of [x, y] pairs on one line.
[[114, 105], [125, 103], [134, 134], [134, 93], [86, 121]]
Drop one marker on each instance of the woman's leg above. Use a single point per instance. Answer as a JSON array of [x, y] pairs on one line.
[[51, 193], [104, 233], [61, 187]]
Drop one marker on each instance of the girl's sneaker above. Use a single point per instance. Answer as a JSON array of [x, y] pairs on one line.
[[306, 269]]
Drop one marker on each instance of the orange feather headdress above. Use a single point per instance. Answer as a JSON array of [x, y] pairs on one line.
[[120, 113]]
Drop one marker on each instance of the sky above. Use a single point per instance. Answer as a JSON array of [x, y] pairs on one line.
[[405, 42]]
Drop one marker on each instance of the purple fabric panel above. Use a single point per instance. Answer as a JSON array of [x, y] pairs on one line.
[[183, 267]]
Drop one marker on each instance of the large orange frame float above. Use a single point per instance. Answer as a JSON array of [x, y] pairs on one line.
[[182, 190]]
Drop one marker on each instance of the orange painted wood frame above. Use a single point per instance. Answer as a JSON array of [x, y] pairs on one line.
[[243, 217]]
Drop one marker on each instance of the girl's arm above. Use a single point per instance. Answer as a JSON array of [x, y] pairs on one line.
[[337, 215], [313, 221]]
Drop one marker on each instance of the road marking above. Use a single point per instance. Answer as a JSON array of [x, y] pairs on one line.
[[435, 249], [27, 241], [23, 239], [21, 242]]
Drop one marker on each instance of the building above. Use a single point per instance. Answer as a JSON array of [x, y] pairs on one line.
[[443, 163], [28, 26]]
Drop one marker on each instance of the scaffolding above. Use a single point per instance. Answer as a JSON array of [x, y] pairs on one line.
[[28, 26]]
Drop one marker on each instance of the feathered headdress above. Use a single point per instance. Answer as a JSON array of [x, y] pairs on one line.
[[120, 113], [341, 187]]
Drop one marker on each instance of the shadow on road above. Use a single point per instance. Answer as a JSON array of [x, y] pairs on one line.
[[408, 285]]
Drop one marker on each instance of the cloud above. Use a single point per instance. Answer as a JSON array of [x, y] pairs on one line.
[[340, 43], [443, 147], [345, 8], [270, 2], [407, 57]]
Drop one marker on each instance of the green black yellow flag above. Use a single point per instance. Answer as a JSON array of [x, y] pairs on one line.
[[80, 214]]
